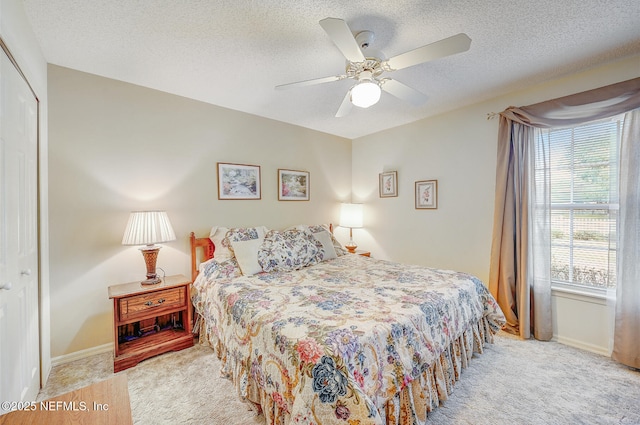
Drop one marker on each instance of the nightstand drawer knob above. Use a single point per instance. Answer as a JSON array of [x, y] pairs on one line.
[[161, 300], [149, 303]]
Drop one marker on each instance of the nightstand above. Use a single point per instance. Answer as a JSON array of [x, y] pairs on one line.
[[150, 319]]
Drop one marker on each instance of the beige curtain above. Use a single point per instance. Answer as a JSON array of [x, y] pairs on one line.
[[519, 217], [518, 244], [626, 340]]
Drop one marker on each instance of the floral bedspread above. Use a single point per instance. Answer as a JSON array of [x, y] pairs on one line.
[[352, 340]]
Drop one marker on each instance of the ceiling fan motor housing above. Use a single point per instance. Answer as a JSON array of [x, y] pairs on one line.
[[365, 39]]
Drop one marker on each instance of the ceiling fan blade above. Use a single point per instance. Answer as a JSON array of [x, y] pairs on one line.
[[345, 106], [312, 82], [449, 46], [403, 92], [340, 33]]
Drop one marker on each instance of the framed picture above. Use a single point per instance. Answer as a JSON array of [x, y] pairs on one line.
[[388, 184], [427, 194], [293, 185], [238, 181]]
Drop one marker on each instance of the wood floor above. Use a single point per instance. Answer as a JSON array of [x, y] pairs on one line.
[[104, 403]]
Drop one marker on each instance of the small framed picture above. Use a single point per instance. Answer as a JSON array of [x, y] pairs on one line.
[[389, 184], [427, 194], [293, 185], [238, 181]]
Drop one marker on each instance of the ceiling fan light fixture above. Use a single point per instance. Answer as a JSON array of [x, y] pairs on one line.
[[368, 68], [366, 93]]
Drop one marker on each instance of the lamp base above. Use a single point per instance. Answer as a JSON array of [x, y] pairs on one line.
[[351, 247], [152, 281], [150, 254]]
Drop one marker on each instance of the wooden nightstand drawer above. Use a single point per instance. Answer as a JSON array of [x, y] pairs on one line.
[[140, 305]]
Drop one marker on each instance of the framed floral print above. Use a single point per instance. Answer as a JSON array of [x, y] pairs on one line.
[[238, 181], [427, 194], [293, 185], [388, 184]]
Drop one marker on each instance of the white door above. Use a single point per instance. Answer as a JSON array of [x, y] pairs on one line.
[[19, 320]]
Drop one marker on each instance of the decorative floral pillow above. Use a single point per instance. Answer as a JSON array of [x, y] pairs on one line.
[[215, 269], [239, 234], [340, 251], [289, 250]]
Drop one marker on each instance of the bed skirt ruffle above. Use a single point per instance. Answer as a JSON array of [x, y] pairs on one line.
[[414, 402], [411, 405]]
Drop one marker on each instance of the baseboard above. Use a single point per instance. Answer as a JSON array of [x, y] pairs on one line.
[[582, 345], [82, 354]]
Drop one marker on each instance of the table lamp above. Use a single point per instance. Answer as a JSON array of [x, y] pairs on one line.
[[351, 217], [149, 228]]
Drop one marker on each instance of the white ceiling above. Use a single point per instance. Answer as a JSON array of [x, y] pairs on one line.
[[232, 53]]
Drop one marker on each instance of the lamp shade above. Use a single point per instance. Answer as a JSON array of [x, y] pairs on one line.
[[148, 228], [351, 215]]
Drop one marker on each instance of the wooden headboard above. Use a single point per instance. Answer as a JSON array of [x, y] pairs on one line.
[[208, 248]]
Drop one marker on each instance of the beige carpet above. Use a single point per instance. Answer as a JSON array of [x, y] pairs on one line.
[[513, 382]]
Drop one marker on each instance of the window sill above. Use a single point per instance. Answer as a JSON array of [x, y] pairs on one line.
[[591, 295]]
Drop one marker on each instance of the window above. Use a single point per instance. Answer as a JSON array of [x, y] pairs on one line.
[[583, 175]]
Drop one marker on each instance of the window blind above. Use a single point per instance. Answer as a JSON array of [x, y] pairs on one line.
[[583, 176]]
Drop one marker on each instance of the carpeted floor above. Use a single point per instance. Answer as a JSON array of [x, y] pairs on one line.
[[513, 382]]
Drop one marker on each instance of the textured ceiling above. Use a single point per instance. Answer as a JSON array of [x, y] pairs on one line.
[[233, 53]]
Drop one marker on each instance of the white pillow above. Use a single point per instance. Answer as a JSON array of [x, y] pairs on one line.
[[327, 245], [247, 255]]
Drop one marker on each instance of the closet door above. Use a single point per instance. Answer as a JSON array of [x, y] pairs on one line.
[[19, 290]]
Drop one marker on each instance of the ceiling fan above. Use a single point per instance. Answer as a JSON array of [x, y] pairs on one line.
[[368, 69]]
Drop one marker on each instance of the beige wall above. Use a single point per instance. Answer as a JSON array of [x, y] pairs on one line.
[[462, 159], [117, 147], [21, 41], [459, 150]]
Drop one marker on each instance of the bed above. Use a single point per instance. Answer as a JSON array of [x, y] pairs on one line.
[[324, 337]]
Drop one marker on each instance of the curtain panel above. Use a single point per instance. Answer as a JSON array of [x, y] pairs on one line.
[[519, 249], [626, 339]]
